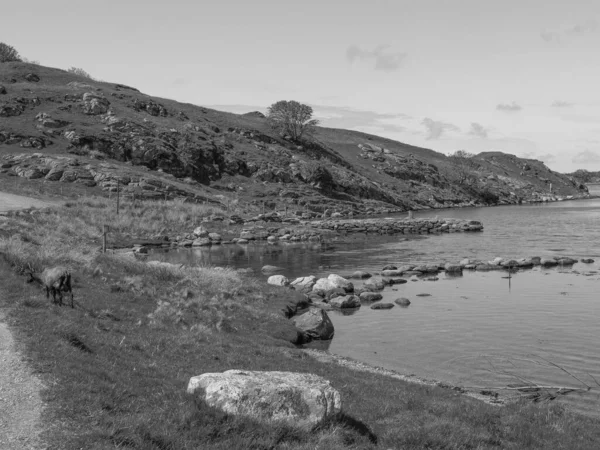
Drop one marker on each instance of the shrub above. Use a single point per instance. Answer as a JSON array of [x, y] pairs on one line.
[[488, 197], [80, 72], [8, 53]]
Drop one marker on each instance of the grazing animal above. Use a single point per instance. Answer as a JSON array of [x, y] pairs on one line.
[[55, 280]]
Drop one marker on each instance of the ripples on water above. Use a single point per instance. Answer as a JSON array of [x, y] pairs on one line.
[[474, 330]]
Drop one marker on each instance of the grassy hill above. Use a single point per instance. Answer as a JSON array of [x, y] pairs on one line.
[[58, 129]]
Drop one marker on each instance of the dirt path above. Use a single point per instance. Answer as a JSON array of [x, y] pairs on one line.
[[10, 202], [20, 401]]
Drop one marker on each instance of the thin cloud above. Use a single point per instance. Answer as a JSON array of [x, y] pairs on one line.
[[382, 58], [579, 29], [478, 130], [583, 28], [547, 158], [561, 104], [550, 36], [509, 107], [586, 157], [435, 129]]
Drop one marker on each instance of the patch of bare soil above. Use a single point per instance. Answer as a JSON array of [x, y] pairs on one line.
[[10, 202]]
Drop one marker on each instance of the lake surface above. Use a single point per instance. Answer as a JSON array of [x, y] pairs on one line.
[[477, 330]]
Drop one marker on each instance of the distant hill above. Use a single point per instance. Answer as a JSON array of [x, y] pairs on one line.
[[59, 127]]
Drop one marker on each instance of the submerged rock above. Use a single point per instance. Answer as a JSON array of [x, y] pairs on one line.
[[370, 296], [296, 399], [402, 302], [382, 306], [271, 269]]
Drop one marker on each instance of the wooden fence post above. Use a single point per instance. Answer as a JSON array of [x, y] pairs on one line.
[[105, 230]]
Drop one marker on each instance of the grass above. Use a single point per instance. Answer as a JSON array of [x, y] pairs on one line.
[[116, 367]]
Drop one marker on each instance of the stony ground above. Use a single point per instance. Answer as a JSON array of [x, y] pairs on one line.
[[20, 401]]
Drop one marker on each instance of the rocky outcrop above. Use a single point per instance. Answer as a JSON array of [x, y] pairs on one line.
[[295, 399]]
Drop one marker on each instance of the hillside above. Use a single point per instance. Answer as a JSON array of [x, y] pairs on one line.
[[61, 129]]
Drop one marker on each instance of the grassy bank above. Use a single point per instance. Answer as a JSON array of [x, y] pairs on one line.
[[116, 367]]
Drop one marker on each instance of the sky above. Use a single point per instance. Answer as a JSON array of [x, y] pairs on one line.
[[518, 76]]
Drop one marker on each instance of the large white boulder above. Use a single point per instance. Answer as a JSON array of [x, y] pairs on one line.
[[297, 399], [278, 280], [333, 281], [341, 282], [307, 282]]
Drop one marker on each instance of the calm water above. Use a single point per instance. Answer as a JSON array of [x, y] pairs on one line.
[[476, 330]]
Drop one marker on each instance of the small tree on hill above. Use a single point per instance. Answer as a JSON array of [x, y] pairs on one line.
[[80, 72], [464, 167], [8, 53], [291, 118]]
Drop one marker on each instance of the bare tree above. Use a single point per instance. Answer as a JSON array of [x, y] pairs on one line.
[[465, 167], [291, 118], [8, 53]]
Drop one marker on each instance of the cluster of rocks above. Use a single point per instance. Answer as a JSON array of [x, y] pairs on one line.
[[104, 175], [200, 237], [406, 226]]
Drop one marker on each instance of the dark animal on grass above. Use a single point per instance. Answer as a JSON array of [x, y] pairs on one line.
[[55, 280]]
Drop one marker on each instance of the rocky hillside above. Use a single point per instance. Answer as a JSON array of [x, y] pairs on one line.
[[57, 127]]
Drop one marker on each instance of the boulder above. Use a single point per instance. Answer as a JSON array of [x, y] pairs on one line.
[[565, 261], [453, 268], [587, 260], [382, 306], [548, 262], [201, 232], [341, 282], [2, 90], [404, 302], [32, 78], [315, 324], [360, 275], [390, 267], [94, 104], [271, 269], [278, 280], [391, 273], [324, 284], [370, 296], [375, 284], [201, 242], [295, 399], [307, 282], [405, 268], [345, 301], [214, 236], [337, 292]]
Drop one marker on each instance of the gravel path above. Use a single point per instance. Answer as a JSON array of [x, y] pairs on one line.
[[20, 402]]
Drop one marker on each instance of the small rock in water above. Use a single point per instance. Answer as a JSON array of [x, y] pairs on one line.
[[370, 296], [423, 295], [382, 306], [404, 302], [587, 260], [390, 267], [271, 269]]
